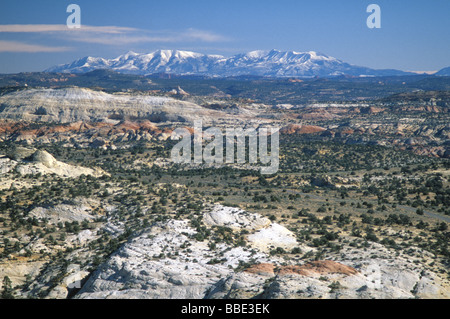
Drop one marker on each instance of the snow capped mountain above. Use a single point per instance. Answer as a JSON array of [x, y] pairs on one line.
[[289, 63], [85, 64], [271, 63]]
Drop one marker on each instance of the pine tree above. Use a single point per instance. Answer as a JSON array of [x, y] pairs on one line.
[[7, 291]]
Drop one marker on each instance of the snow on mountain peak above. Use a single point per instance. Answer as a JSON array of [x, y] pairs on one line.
[[273, 63], [256, 54], [129, 54]]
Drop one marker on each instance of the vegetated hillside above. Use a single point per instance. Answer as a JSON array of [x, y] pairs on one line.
[[444, 72], [426, 98], [261, 89], [104, 79]]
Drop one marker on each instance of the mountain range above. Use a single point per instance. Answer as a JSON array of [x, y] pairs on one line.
[[271, 63]]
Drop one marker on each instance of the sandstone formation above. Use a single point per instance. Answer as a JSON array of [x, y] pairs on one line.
[[165, 261], [68, 105], [32, 162]]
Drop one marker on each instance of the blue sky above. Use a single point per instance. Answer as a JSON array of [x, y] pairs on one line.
[[414, 34]]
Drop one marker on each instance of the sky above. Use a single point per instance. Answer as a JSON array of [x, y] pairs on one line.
[[414, 34]]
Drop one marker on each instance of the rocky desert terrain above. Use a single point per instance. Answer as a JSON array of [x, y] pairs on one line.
[[91, 205]]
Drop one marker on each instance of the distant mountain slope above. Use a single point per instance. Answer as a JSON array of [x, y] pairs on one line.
[[444, 72], [272, 63]]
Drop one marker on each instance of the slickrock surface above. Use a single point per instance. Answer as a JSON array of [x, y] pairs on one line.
[[41, 162], [68, 105], [165, 261]]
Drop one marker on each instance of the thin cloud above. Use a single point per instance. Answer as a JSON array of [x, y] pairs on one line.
[[114, 35], [119, 40], [44, 28], [204, 36], [14, 46], [102, 35], [145, 36]]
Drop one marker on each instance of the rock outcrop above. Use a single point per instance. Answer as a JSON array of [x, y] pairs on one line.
[[70, 105], [45, 159], [301, 129], [165, 261], [32, 162]]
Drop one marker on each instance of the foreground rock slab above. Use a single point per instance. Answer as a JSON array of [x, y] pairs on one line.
[[165, 261]]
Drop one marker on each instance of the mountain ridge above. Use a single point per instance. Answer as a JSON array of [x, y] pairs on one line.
[[443, 72], [273, 63]]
